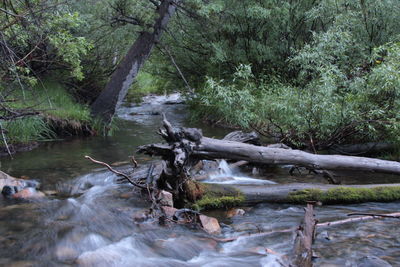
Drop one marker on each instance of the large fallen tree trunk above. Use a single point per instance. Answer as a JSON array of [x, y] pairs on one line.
[[187, 143]]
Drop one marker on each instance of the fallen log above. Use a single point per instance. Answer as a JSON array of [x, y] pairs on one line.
[[185, 144], [221, 196]]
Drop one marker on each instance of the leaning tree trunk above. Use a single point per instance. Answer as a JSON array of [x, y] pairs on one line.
[[116, 89]]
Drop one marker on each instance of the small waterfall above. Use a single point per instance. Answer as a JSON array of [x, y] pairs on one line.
[[228, 175], [224, 168]]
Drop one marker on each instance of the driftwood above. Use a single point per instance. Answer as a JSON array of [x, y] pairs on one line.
[[302, 254], [368, 217], [125, 176], [185, 144]]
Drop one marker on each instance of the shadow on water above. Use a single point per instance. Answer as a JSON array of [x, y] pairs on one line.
[[90, 221]]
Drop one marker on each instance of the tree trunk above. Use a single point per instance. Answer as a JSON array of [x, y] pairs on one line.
[[116, 89], [185, 144]]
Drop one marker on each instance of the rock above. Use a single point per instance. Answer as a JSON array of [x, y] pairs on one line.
[[66, 253], [372, 261], [325, 235], [141, 215], [165, 198], [28, 193], [23, 264], [50, 192], [235, 212], [169, 211], [210, 224], [7, 180], [8, 191]]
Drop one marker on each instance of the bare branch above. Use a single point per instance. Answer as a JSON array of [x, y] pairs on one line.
[[116, 172]]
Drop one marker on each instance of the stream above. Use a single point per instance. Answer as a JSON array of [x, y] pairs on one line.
[[87, 217]]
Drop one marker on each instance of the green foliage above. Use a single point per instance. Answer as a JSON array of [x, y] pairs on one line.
[[26, 130], [42, 35], [52, 99], [346, 195], [146, 83], [338, 84], [55, 105]]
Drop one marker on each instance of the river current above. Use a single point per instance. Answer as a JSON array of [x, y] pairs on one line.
[[87, 217]]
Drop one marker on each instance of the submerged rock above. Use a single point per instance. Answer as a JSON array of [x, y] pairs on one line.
[[235, 212], [28, 193], [372, 261], [141, 215]]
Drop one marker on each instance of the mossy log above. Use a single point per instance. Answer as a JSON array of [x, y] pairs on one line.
[[222, 196]]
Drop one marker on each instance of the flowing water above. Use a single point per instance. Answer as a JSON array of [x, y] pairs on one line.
[[89, 221]]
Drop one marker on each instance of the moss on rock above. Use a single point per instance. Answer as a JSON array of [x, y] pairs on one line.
[[346, 195]]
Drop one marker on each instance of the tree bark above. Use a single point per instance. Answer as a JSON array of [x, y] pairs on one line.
[[282, 193], [302, 254], [184, 144], [116, 89]]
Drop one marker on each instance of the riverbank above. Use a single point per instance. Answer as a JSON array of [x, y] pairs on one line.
[[58, 115]]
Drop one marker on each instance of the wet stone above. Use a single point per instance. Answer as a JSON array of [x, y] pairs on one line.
[[168, 211], [235, 212], [141, 215], [64, 253], [372, 261], [165, 199], [210, 224], [28, 193]]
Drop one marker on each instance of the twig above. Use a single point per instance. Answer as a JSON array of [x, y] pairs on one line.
[[363, 218], [375, 215], [5, 141], [178, 69], [116, 172], [134, 162]]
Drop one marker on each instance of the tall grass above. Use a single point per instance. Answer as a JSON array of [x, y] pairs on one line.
[[54, 103], [52, 99], [25, 130]]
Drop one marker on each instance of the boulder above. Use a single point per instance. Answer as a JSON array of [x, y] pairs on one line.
[[210, 224]]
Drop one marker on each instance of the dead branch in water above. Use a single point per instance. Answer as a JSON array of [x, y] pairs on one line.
[[116, 172], [358, 219], [375, 215]]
